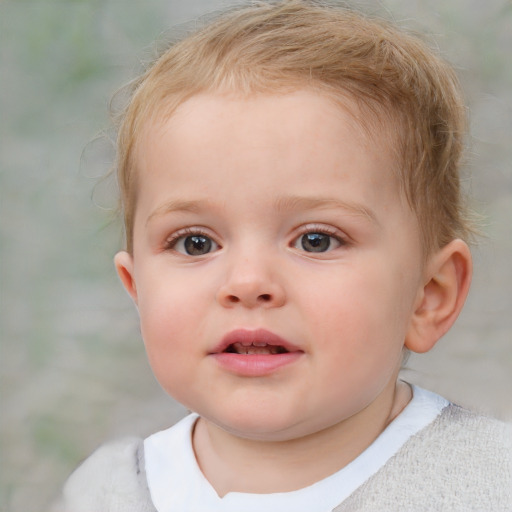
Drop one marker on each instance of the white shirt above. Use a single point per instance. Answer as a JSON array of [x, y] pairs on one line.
[[176, 482]]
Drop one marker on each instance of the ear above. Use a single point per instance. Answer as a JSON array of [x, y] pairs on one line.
[[441, 298], [123, 262]]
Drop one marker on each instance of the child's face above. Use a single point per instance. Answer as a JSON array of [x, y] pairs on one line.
[[272, 220]]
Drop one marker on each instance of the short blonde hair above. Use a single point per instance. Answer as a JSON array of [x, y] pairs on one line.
[[273, 47]]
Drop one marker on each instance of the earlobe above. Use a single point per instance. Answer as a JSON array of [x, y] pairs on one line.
[[441, 298], [124, 265]]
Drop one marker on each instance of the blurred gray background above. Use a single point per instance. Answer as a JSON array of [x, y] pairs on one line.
[[73, 369]]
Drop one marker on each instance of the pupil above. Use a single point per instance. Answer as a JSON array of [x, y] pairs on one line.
[[197, 245], [316, 242]]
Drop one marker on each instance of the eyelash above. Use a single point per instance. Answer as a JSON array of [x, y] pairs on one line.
[[323, 230], [170, 243]]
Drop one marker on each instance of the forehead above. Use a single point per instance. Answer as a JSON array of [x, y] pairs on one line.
[[201, 116], [267, 142]]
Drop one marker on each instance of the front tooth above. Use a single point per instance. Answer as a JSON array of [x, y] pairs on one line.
[[241, 348], [255, 348], [259, 343]]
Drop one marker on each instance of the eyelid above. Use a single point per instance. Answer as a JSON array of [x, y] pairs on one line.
[[342, 238], [325, 229], [171, 240]]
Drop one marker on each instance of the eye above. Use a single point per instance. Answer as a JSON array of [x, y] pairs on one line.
[[193, 244], [317, 241]]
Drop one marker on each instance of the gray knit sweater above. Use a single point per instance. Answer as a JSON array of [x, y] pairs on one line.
[[460, 462]]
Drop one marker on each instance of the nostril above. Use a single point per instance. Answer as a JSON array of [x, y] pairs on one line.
[[250, 298]]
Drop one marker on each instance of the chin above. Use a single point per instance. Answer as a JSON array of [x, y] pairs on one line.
[[256, 426]]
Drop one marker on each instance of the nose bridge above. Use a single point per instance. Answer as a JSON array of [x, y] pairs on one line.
[[251, 278]]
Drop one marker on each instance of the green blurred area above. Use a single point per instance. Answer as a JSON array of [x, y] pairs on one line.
[[73, 370]]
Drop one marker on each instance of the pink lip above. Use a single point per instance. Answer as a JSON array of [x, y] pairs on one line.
[[252, 336], [254, 365]]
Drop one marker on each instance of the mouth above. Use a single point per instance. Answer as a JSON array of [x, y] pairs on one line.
[[254, 342], [255, 353], [256, 348]]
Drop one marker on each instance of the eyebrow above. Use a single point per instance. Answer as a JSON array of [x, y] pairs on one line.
[[179, 205], [291, 203], [282, 204]]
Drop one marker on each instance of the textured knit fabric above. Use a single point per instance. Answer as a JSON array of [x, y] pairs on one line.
[[112, 479], [460, 462]]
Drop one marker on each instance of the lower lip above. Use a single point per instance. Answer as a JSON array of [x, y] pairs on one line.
[[255, 365]]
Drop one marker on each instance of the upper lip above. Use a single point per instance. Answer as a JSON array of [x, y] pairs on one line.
[[260, 337]]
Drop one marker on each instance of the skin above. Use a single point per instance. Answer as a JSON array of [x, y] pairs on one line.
[[253, 176]]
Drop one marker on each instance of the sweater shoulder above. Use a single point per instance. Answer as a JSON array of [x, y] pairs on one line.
[[470, 423], [112, 479], [462, 461]]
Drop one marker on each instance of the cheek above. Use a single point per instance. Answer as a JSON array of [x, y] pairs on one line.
[[361, 313], [167, 319], [167, 336], [165, 302]]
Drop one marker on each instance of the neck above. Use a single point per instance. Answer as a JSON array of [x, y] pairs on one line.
[[235, 464]]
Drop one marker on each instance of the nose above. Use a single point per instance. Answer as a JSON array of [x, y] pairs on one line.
[[251, 283]]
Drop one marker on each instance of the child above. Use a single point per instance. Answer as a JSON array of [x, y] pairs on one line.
[[294, 226]]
